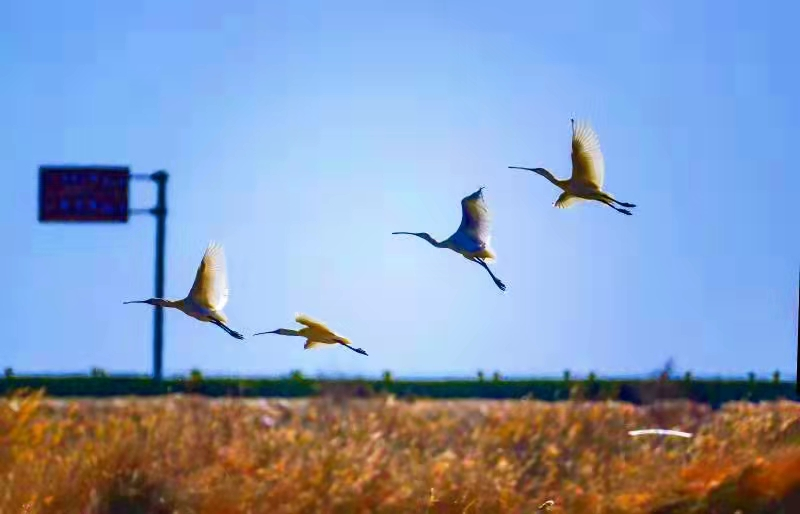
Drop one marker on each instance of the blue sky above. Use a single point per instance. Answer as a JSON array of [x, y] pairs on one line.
[[300, 135]]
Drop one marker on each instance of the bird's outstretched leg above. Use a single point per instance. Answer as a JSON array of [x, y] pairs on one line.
[[612, 199], [227, 329], [497, 281], [606, 199], [357, 350], [623, 211]]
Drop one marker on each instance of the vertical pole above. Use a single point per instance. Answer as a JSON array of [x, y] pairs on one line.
[[798, 338], [160, 212]]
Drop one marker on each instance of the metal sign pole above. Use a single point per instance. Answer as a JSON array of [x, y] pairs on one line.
[[89, 193], [160, 212]]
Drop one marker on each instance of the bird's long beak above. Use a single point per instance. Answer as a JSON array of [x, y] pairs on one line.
[[538, 171], [135, 301], [406, 233], [270, 332]]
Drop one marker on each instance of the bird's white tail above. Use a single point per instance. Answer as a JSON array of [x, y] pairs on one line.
[[486, 253]]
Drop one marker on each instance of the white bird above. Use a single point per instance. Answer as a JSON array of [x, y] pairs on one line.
[[315, 332], [588, 172], [472, 239], [209, 293]]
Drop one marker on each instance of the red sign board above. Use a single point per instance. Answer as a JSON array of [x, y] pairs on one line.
[[83, 193]]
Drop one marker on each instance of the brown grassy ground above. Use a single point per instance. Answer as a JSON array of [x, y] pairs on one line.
[[194, 455]]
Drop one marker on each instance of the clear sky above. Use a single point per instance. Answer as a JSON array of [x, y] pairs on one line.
[[301, 133]]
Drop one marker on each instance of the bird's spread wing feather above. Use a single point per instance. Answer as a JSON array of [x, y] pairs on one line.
[[210, 288], [475, 218], [565, 200], [588, 166], [311, 323]]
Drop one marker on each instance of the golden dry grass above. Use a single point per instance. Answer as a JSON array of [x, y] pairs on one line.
[[184, 454]]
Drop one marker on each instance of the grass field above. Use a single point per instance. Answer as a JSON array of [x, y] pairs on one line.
[[185, 454]]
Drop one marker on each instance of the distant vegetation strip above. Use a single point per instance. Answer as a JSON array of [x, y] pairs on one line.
[[643, 391]]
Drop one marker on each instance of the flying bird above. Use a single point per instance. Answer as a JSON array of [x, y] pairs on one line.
[[472, 239], [316, 333], [588, 171], [209, 293]]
